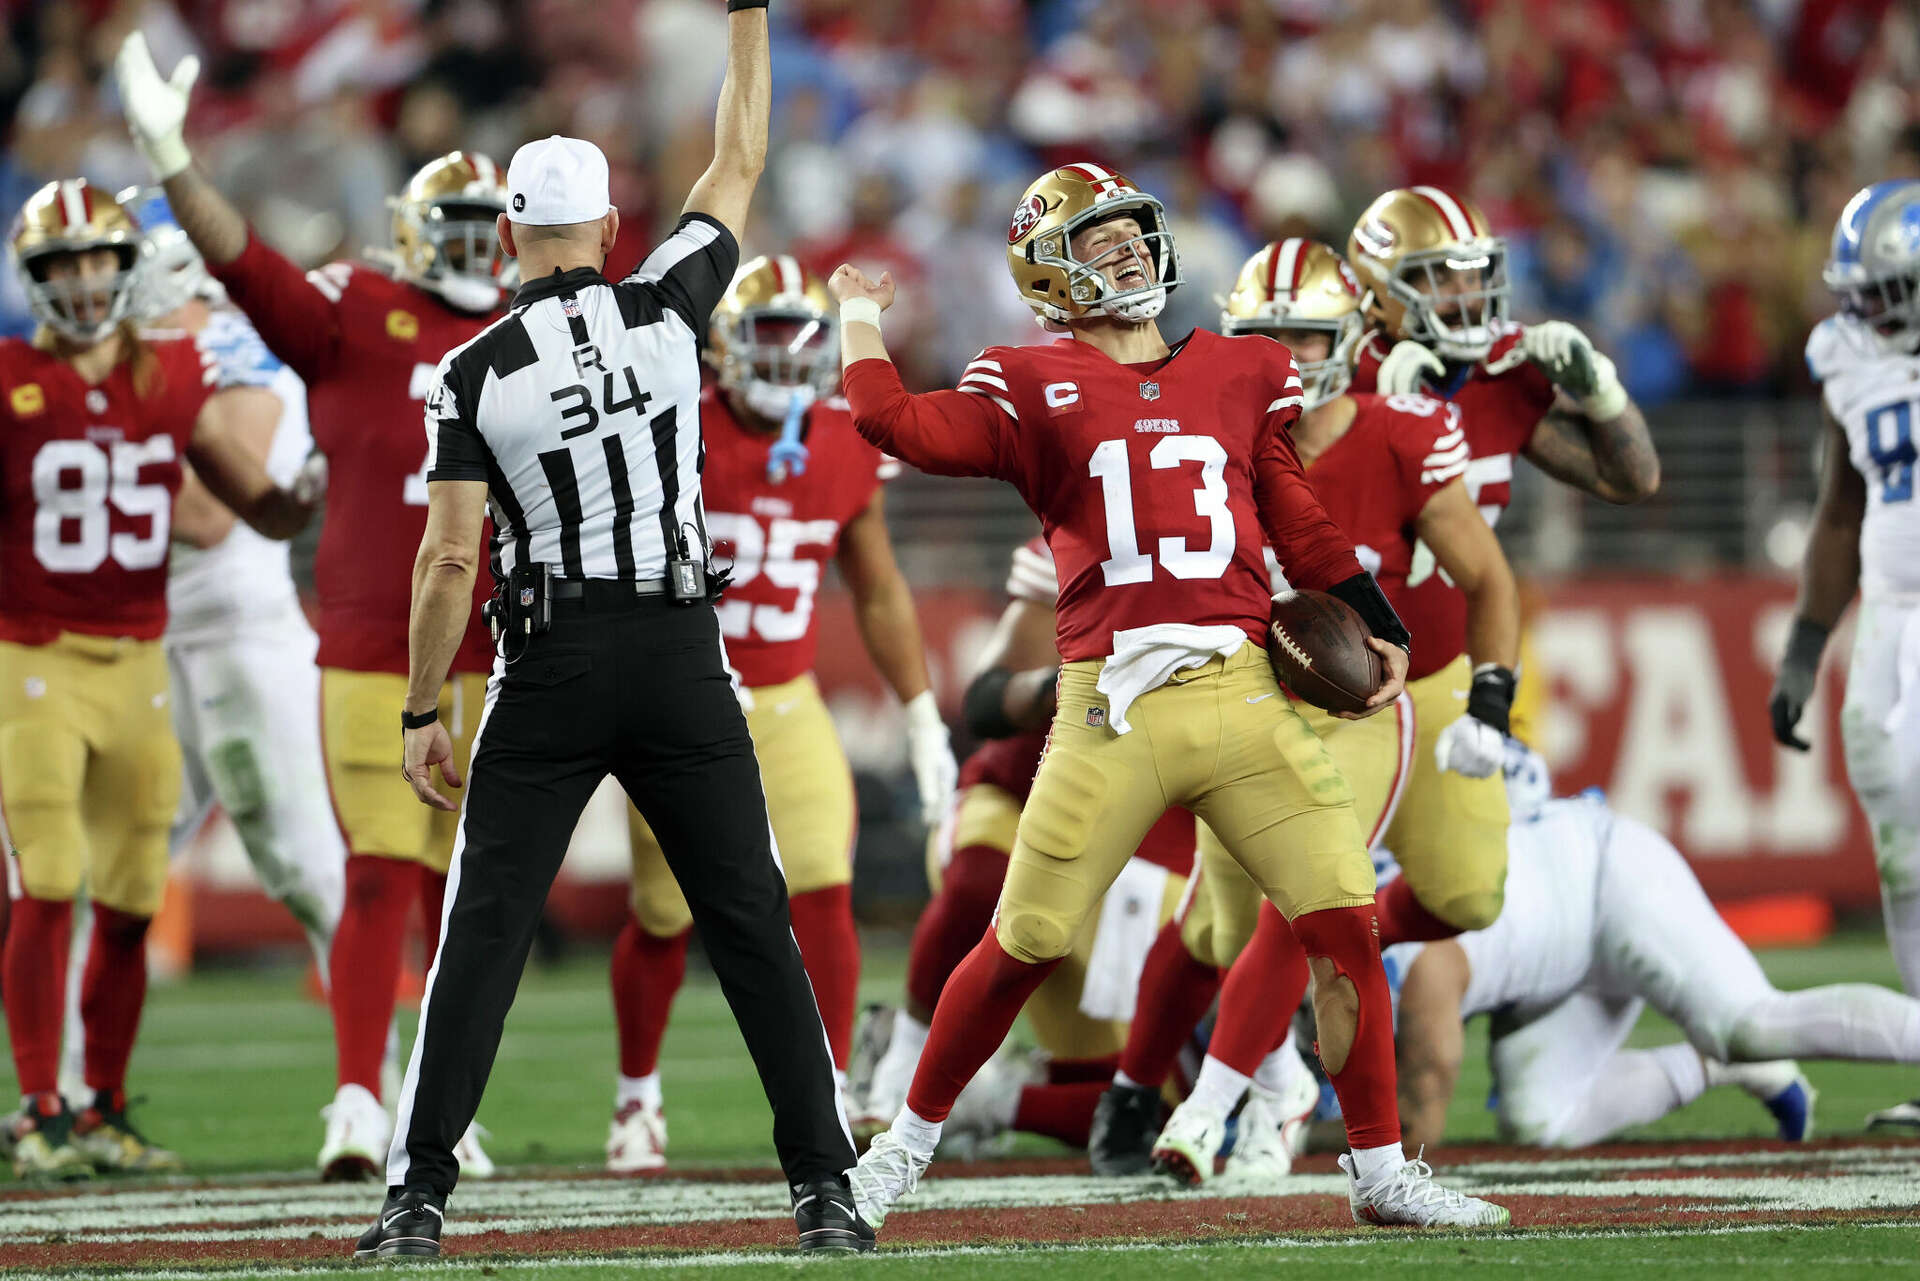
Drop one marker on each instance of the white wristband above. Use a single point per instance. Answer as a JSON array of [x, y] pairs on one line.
[[864, 311]]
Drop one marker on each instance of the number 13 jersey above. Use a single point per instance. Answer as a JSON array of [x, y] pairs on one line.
[[781, 534], [1156, 488], [1875, 397]]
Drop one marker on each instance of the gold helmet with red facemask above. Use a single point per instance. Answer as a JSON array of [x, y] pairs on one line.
[[1434, 271], [73, 217], [1059, 287], [775, 337], [444, 238], [1297, 286]]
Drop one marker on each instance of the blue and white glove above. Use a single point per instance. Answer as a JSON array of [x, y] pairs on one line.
[[1569, 358]]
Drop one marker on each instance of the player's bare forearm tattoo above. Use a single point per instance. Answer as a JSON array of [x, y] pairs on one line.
[[209, 219], [1613, 460]]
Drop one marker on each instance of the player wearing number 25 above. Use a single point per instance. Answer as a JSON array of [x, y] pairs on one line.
[[788, 485], [1158, 473], [365, 339], [95, 423]]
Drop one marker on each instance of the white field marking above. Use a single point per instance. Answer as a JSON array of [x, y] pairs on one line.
[[1866, 1177], [273, 1056], [1360, 1239]]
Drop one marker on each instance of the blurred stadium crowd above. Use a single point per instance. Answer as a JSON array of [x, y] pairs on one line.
[[1667, 170]]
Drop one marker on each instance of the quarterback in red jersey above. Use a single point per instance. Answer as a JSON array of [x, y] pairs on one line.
[[1159, 474], [96, 424], [1008, 705], [1391, 470], [366, 340], [789, 487]]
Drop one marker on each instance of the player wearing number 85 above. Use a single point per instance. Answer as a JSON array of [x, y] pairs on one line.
[[1866, 536], [1158, 473], [93, 430], [788, 486], [365, 339]]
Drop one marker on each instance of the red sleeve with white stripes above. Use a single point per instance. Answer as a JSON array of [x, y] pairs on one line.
[[946, 433], [1436, 451], [1310, 546]]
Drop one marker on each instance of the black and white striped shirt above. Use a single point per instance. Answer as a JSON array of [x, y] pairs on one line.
[[580, 408]]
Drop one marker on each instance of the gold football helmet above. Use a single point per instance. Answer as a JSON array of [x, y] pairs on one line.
[[72, 217], [1434, 271], [775, 334], [443, 232], [1297, 285], [1058, 286]]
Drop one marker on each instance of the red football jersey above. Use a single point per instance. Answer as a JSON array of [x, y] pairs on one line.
[[1155, 490], [367, 346], [1010, 763], [1501, 399], [88, 475], [780, 535], [1376, 480]]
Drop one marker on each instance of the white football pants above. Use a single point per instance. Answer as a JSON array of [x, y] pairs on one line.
[[1880, 727]]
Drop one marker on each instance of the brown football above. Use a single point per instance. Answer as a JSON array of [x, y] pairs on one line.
[[1318, 647]]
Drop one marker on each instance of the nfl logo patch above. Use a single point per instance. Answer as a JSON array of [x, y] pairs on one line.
[[1149, 391], [571, 306], [526, 598], [1096, 716]]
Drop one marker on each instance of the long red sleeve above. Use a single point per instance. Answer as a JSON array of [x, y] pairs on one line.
[[1313, 551], [946, 433], [297, 321]]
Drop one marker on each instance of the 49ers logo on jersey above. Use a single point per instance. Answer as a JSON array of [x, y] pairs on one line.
[[1026, 218]]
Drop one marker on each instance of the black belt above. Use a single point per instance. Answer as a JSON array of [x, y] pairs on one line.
[[605, 590]]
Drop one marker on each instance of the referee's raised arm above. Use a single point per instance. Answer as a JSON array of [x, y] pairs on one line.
[[725, 190]]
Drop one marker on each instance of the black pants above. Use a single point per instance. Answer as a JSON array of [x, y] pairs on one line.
[[635, 688]]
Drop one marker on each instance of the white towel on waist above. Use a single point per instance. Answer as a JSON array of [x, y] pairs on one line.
[[1129, 923], [1145, 657]]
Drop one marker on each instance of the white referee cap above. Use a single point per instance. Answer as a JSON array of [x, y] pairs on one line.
[[556, 181]]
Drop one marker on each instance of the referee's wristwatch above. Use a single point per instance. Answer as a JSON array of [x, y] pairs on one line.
[[409, 720]]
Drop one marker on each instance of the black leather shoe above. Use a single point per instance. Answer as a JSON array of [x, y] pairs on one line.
[[1126, 1121], [408, 1228], [824, 1214]]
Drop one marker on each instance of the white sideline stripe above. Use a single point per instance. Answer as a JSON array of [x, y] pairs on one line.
[[1360, 1238]]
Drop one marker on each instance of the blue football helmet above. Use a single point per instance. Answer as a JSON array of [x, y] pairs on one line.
[[1874, 265]]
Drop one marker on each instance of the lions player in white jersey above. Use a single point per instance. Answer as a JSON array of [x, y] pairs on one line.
[[1866, 534], [1604, 918]]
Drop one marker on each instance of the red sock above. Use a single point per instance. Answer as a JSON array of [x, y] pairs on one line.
[[364, 967], [830, 949], [647, 973], [1175, 991], [954, 921], [1262, 991], [1366, 1084], [981, 1001], [38, 936], [433, 896], [1063, 1112], [1404, 920], [113, 991]]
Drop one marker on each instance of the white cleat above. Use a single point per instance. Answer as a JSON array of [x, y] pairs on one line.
[[637, 1140], [1901, 1116], [474, 1162], [358, 1132], [1189, 1142], [888, 1171], [1410, 1198], [985, 1109], [1273, 1131]]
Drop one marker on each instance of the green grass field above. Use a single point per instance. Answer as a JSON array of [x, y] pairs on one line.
[[236, 1063]]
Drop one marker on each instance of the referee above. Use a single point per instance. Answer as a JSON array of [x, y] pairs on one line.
[[576, 417]]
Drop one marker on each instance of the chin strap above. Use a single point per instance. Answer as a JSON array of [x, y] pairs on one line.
[[788, 457]]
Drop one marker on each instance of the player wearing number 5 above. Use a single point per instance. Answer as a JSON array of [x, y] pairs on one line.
[[365, 339], [1158, 473], [1866, 536], [94, 427], [789, 485]]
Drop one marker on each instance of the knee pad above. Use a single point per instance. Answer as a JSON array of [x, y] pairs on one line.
[[1473, 910], [1033, 935], [42, 775]]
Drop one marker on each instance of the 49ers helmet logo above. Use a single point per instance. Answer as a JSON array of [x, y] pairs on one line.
[[1375, 237], [1026, 218]]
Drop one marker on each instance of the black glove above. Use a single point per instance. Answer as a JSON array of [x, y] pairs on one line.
[[1375, 610], [734, 6], [1793, 684], [1491, 700]]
